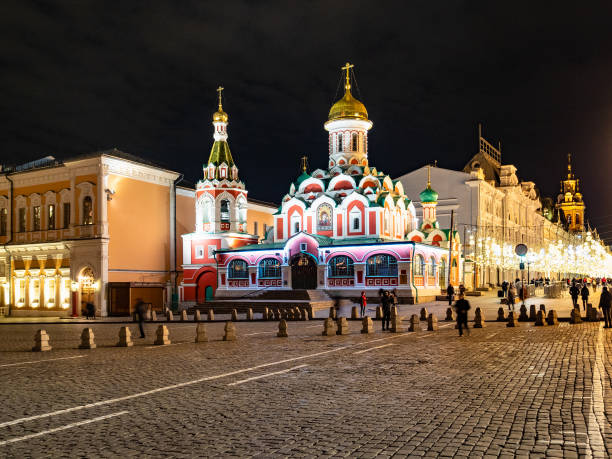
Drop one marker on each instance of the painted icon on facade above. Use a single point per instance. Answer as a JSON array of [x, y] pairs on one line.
[[324, 217]]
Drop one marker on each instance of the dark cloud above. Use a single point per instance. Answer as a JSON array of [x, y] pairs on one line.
[[141, 76]]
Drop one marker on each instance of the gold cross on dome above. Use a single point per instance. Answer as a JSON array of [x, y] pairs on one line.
[[348, 66], [220, 90]]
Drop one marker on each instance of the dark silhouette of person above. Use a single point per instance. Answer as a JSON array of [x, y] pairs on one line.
[[574, 291], [450, 291], [386, 305], [584, 294], [141, 311], [462, 306], [605, 304]]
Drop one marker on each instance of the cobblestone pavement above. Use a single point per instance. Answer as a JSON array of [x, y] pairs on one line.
[[526, 391]]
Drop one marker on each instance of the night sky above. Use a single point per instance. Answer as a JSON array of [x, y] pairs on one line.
[[141, 76]]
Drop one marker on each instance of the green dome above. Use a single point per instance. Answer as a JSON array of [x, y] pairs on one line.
[[428, 195], [302, 177]]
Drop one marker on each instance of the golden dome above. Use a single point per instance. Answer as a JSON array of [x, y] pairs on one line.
[[348, 107], [220, 115]]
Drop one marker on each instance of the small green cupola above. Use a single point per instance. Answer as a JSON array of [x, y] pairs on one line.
[[428, 194], [305, 175]]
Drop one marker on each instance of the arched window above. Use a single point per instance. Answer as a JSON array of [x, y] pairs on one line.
[[442, 271], [569, 219], [577, 219], [340, 266], [355, 219], [431, 269], [269, 268], [225, 212], [296, 221], [381, 265], [386, 218], [339, 142], [419, 265], [87, 211], [364, 143], [354, 142], [238, 269]]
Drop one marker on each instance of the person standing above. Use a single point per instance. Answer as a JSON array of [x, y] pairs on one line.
[[584, 294], [141, 311], [364, 303], [574, 291], [511, 297], [605, 304], [461, 289], [386, 305], [462, 306], [450, 291], [504, 287]]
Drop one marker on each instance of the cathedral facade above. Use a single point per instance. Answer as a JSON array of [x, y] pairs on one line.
[[346, 228]]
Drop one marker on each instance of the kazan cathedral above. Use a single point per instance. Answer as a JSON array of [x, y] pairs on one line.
[[344, 229]]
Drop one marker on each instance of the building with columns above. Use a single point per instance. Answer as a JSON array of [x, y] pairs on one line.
[[345, 228]]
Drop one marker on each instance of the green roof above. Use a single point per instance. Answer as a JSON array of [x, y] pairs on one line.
[[302, 177], [220, 153], [428, 195]]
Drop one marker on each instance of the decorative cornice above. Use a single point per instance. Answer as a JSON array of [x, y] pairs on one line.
[[140, 172]]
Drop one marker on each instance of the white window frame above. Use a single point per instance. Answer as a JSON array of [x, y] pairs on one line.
[[199, 251], [211, 251], [295, 218]]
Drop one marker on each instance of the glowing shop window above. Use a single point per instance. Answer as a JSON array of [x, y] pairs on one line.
[[65, 293]]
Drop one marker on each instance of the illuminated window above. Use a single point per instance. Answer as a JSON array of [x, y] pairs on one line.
[[354, 141], [87, 211], [36, 218], [238, 269], [339, 142], [340, 266], [431, 269], [225, 213], [50, 292], [296, 221], [381, 265], [269, 268], [419, 266], [51, 217], [35, 293], [442, 271]]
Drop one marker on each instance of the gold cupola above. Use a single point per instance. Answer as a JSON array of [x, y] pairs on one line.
[[220, 115], [348, 107]]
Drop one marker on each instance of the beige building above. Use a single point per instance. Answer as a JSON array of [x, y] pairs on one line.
[[99, 228]]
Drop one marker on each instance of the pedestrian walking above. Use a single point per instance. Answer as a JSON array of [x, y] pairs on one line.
[[511, 297], [584, 294], [461, 289], [504, 287], [462, 306], [141, 311], [605, 304], [90, 310], [574, 291], [386, 305], [364, 303], [450, 292]]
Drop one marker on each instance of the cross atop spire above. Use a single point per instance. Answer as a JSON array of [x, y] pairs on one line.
[[347, 67], [429, 176], [304, 163], [220, 91]]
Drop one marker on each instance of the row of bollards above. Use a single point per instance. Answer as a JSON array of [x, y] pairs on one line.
[[332, 326]]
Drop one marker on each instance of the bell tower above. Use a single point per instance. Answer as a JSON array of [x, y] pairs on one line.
[[570, 200]]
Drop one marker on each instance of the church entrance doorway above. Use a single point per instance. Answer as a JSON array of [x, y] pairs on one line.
[[303, 272], [87, 287]]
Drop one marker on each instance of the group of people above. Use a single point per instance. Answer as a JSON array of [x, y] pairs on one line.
[[605, 299], [388, 299]]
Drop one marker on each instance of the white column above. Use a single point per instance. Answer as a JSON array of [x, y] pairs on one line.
[[72, 201], [102, 202]]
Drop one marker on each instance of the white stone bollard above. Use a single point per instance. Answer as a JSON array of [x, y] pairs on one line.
[[41, 341], [87, 339], [125, 337]]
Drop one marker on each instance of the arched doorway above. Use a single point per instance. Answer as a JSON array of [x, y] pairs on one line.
[[87, 287], [205, 286], [303, 272]]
